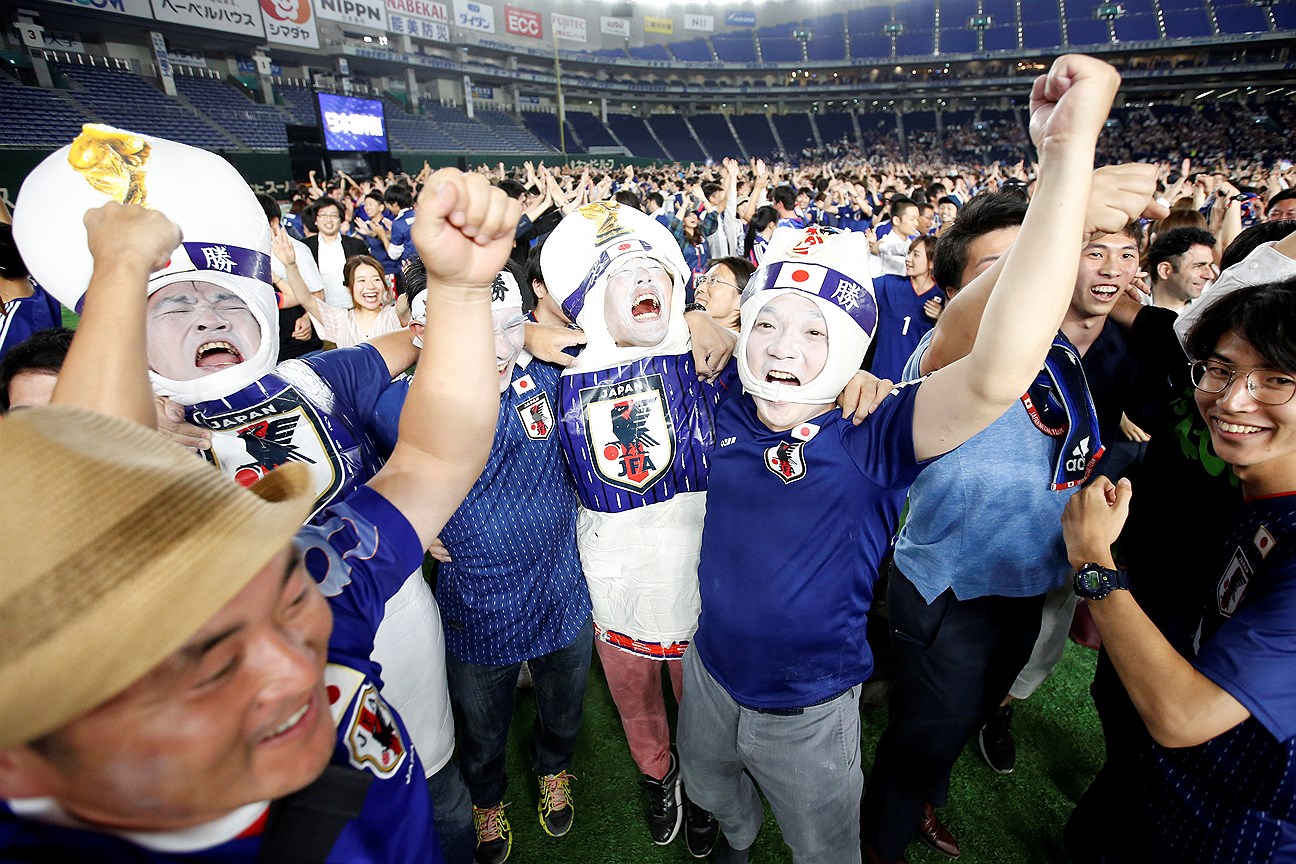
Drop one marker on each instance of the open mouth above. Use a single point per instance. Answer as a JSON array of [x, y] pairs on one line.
[[217, 355], [501, 366], [370, 297], [779, 377], [293, 722], [647, 307], [1105, 291]]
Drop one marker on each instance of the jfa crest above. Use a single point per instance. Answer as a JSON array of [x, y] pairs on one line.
[[373, 738], [1233, 584], [249, 443], [629, 431], [537, 417], [786, 461]]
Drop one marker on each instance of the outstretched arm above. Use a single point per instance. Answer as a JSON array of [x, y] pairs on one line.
[[106, 369], [1068, 108], [464, 234]]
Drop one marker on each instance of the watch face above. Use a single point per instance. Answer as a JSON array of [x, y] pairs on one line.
[[1091, 580]]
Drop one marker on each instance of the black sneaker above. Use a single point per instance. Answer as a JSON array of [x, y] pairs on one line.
[[700, 829], [494, 835], [664, 811], [556, 805], [995, 738]]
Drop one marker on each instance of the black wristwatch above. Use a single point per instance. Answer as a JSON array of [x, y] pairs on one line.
[[694, 307], [1094, 581]]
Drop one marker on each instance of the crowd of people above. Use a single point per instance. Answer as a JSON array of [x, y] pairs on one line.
[[731, 410]]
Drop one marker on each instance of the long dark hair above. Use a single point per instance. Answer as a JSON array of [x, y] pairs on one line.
[[760, 220]]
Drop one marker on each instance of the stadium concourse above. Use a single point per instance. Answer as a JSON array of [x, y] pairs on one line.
[[773, 534]]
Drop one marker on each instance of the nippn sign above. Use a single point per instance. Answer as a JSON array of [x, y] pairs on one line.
[[521, 22]]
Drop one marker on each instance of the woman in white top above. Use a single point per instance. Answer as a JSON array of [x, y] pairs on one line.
[[363, 277]]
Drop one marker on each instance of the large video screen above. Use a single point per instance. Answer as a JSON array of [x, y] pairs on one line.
[[352, 124]]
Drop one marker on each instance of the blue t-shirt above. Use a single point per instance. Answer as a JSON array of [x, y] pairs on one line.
[[901, 324], [27, 315], [794, 532], [514, 589], [637, 434], [984, 520], [401, 242], [317, 411], [361, 552], [1233, 798]]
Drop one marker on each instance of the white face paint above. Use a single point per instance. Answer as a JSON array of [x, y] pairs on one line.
[[787, 346], [508, 325], [197, 329], [636, 302]]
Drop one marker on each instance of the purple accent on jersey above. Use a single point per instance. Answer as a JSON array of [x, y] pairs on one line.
[[574, 304], [225, 258], [635, 435], [848, 294]]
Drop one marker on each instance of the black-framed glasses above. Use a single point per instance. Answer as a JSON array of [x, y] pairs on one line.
[[1268, 386]]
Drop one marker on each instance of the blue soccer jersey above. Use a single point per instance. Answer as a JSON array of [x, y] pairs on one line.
[[637, 434], [25, 316], [360, 552], [401, 243], [901, 324], [1233, 798], [514, 589], [796, 525], [317, 412]]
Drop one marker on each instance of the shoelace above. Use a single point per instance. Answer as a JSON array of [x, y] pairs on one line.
[[489, 823], [660, 796], [555, 791]]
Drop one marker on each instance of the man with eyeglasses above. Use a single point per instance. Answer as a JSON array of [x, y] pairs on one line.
[[331, 249]]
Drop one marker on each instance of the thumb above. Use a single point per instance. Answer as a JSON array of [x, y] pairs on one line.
[[1124, 492]]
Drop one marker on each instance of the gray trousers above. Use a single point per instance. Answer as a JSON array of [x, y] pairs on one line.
[[808, 766], [1055, 626]]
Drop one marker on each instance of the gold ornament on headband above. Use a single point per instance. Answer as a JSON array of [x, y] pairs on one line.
[[112, 162], [609, 228]]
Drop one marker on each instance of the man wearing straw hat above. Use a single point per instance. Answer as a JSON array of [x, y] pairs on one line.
[[197, 695]]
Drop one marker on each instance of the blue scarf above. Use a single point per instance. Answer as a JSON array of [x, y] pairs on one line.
[[1060, 406]]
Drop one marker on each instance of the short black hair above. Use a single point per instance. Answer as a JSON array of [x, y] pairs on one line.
[[1284, 195], [785, 196], [1170, 245], [709, 189], [44, 351], [740, 267], [984, 213], [533, 271], [270, 206], [628, 198], [415, 274], [1252, 238], [12, 265], [511, 188], [1264, 315], [655, 198], [900, 204], [400, 195]]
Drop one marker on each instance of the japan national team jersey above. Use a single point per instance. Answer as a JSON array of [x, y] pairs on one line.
[[1233, 798], [317, 412], [796, 525], [25, 316], [360, 553], [901, 324], [514, 588], [637, 434]]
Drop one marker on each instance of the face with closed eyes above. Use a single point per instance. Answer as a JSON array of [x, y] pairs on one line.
[[637, 301], [198, 328]]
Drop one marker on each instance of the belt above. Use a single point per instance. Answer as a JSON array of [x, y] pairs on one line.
[[795, 712]]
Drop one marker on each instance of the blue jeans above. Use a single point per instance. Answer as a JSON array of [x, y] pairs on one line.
[[452, 814], [482, 698]]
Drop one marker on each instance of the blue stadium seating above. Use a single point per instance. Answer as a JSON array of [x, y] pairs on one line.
[[414, 132], [650, 52], [877, 122], [1238, 16], [713, 132], [868, 20], [126, 100], [827, 46], [590, 129], [834, 127], [692, 50], [917, 121], [781, 49], [1138, 23], [1041, 34], [1087, 31], [674, 133], [256, 127], [867, 46], [1185, 19], [754, 132], [1285, 16], [34, 116], [955, 13], [299, 102], [957, 40], [1002, 34], [738, 48], [635, 135], [543, 126], [795, 132]]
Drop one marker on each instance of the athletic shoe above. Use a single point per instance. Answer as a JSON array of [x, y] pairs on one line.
[[494, 834], [664, 811], [556, 805], [995, 737], [700, 829]]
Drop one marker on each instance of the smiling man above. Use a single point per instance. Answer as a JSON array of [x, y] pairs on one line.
[[206, 679], [1181, 263]]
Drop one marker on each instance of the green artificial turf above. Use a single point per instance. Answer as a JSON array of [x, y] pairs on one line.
[[1009, 819]]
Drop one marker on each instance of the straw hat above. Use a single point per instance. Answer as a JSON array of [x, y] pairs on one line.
[[116, 546]]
